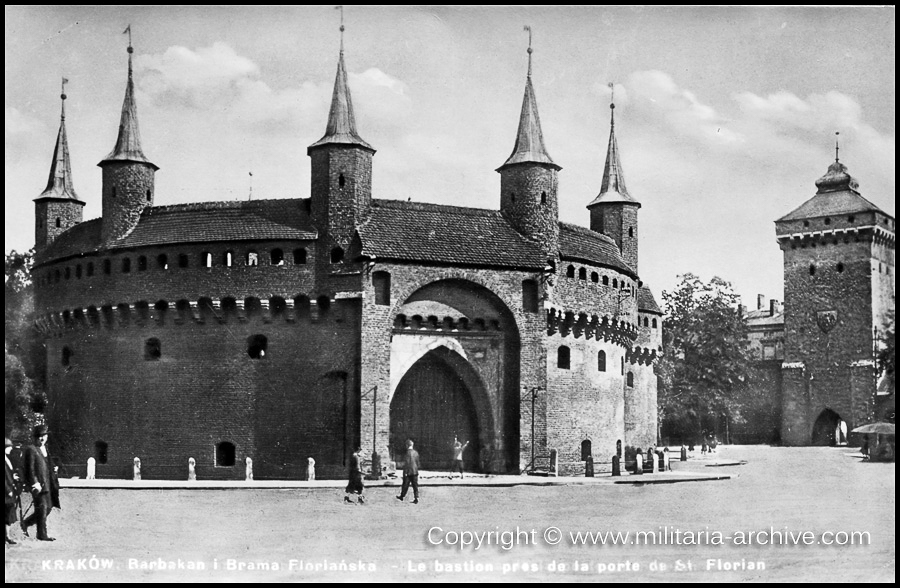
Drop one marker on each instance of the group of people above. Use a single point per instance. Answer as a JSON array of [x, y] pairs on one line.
[[411, 466], [37, 475]]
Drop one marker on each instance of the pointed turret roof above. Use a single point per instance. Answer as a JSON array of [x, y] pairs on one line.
[[838, 193], [529, 147], [60, 185], [613, 189], [341, 127], [128, 143]]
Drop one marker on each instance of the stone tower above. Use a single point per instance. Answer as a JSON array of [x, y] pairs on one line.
[[58, 207], [127, 174], [341, 172], [614, 212], [838, 286], [529, 179]]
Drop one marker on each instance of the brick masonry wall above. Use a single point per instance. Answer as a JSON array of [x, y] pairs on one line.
[[827, 356], [46, 213], [528, 200], [127, 190], [299, 401], [614, 220], [338, 209]]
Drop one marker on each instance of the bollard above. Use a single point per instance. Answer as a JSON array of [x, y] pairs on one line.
[[91, 468], [248, 469], [554, 462], [376, 466], [192, 469], [310, 469], [619, 448], [136, 472], [654, 461], [639, 463], [589, 467], [648, 461], [665, 456], [617, 467], [683, 453]]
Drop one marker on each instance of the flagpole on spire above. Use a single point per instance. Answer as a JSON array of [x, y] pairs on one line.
[[530, 50], [127, 31], [837, 147], [341, 8], [62, 96], [612, 105]]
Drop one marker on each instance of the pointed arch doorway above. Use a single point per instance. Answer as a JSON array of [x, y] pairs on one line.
[[434, 403], [829, 429]]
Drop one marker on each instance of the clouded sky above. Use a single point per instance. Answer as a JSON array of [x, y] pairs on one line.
[[725, 116]]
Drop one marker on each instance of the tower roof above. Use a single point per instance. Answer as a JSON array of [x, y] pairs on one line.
[[838, 194], [613, 189], [529, 147], [341, 127], [128, 143], [60, 185]]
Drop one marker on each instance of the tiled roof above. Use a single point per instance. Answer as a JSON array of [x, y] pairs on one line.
[[414, 231], [764, 318], [831, 204], [646, 301], [193, 223], [586, 245]]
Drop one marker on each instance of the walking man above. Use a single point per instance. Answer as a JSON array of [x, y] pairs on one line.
[[355, 483], [41, 480], [458, 449], [410, 473], [12, 491]]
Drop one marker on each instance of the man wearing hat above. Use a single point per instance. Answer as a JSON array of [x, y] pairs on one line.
[[40, 478], [12, 491]]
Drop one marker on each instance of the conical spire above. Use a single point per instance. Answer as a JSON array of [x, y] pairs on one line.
[[529, 147], [612, 189], [59, 185], [341, 121], [128, 143]]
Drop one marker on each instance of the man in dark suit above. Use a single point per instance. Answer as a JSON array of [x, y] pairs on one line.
[[41, 480], [410, 473], [12, 491]]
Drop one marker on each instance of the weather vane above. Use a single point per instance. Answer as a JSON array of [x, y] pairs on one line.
[[837, 147], [530, 50], [341, 8]]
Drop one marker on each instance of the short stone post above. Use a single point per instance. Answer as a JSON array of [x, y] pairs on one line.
[[91, 468], [639, 462], [616, 466], [654, 461], [589, 467], [665, 458], [376, 466], [683, 453], [248, 469], [192, 469], [310, 469], [554, 462], [136, 470]]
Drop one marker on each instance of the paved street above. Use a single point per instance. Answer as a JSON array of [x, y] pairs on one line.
[[301, 534]]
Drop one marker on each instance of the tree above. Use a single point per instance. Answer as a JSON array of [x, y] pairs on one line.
[[885, 346], [706, 369], [25, 398]]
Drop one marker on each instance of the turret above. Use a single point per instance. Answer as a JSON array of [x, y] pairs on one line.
[[614, 212], [58, 207], [529, 178], [128, 176], [341, 171]]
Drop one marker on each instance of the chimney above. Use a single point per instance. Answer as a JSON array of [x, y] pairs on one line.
[[740, 311], [760, 301], [773, 307]]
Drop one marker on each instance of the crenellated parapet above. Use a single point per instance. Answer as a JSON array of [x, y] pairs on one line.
[[433, 324], [605, 328], [641, 356], [286, 309]]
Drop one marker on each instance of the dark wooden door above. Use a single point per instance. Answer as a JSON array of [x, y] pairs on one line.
[[431, 406]]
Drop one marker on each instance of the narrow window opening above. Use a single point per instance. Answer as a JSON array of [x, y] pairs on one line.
[[631, 231], [629, 380], [543, 198], [595, 277], [101, 452], [183, 261], [582, 274], [654, 323], [148, 196], [142, 263], [615, 283], [563, 358], [827, 221], [107, 266], [152, 349], [126, 265], [277, 257], [337, 255], [229, 258], [299, 256], [207, 260], [78, 271], [90, 269], [840, 268], [381, 283], [225, 454], [530, 296], [851, 218], [512, 196], [606, 280], [586, 450], [257, 346], [113, 192], [570, 271], [252, 258], [58, 223], [812, 270], [601, 361], [162, 262], [341, 181], [66, 358]]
